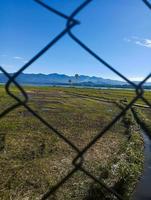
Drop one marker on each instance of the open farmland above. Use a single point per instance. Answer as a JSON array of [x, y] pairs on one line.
[[33, 158]]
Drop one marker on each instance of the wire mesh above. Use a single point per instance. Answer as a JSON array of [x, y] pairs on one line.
[[71, 22]]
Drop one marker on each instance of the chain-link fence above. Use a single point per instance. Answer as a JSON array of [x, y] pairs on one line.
[[71, 22]]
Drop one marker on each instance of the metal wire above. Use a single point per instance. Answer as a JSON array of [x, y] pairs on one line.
[[71, 22]]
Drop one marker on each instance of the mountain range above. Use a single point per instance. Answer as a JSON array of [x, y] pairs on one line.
[[58, 79]]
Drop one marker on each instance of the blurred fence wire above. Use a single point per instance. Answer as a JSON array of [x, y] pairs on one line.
[[71, 22]]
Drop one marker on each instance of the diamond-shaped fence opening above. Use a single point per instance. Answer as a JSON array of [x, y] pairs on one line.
[[79, 173]]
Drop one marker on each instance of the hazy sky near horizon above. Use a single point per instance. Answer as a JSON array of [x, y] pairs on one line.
[[118, 31]]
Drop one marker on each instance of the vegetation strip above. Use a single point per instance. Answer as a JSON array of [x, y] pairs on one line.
[[143, 120]]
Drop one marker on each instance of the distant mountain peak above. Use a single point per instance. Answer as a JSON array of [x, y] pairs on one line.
[[55, 78]]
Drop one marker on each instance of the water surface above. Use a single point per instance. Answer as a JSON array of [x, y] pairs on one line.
[[143, 188]]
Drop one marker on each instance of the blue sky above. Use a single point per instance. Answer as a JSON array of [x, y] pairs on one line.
[[118, 31]]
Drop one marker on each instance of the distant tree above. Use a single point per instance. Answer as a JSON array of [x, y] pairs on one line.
[[76, 76], [70, 81]]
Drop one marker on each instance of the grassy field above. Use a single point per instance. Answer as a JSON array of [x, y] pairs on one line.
[[33, 158], [110, 94]]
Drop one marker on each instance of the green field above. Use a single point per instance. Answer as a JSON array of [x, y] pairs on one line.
[[34, 158]]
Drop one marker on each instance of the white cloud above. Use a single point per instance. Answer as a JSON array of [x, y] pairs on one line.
[[18, 58], [144, 43], [139, 78], [136, 78], [139, 41]]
